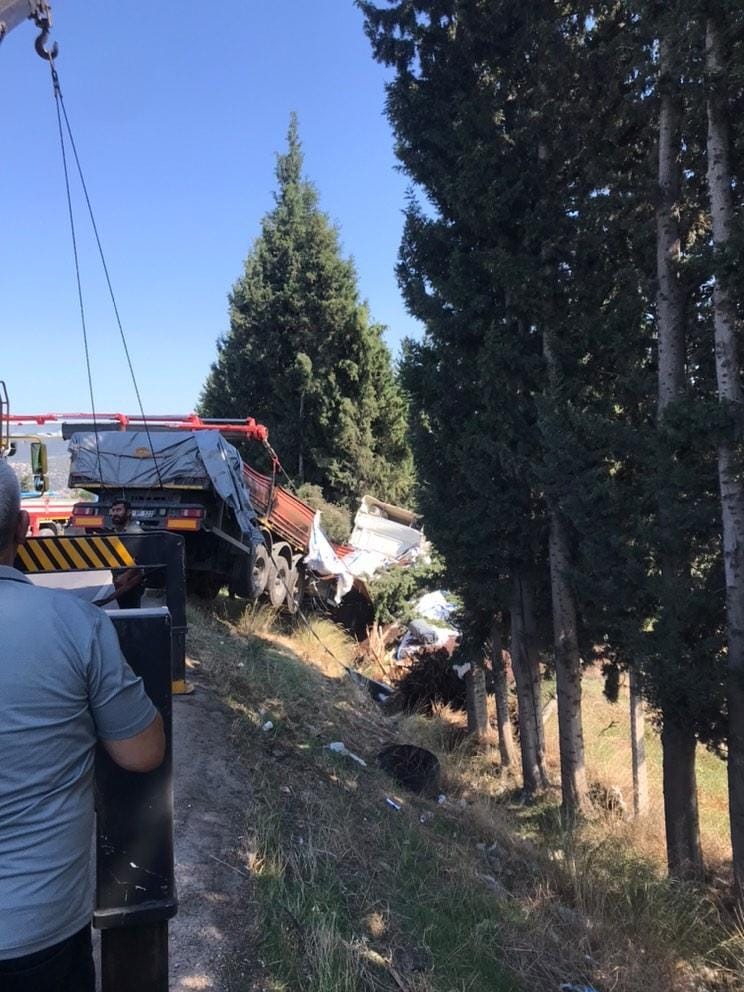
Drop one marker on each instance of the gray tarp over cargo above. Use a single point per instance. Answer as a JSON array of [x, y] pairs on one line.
[[134, 460]]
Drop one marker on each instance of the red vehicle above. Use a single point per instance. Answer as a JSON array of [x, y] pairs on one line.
[[48, 514]]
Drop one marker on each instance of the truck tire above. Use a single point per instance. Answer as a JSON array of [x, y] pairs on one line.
[[279, 577], [296, 586], [261, 571]]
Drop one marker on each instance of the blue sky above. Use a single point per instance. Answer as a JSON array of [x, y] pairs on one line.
[[178, 109]]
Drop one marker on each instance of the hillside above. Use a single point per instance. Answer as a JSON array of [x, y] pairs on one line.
[[359, 885]]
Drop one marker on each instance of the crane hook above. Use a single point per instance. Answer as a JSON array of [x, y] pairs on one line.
[[49, 54]]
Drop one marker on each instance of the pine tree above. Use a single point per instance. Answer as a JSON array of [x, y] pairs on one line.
[[303, 357]]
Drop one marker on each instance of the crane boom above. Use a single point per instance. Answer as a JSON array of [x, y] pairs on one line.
[[14, 12]]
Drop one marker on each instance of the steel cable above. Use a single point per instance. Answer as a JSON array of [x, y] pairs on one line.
[[62, 114]]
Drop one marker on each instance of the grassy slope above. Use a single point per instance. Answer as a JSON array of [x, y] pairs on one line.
[[607, 733], [477, 894]]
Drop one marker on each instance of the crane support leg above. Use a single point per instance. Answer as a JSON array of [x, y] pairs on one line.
[[135, 958]]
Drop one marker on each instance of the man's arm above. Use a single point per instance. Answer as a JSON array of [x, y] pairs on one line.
[[141, 753], [127, 723]]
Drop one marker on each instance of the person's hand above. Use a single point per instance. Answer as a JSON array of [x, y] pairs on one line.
[[127, 580], [124, 582]]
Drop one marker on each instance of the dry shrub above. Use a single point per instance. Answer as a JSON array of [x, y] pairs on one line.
[[257, 620], [374, 654], [443, 732], [728, 956], [431, 681], [323, 644]]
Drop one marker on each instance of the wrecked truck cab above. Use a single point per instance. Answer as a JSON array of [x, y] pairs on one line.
[[385, 533]]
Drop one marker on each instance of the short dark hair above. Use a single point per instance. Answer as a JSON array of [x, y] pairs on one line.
[[122, 502]]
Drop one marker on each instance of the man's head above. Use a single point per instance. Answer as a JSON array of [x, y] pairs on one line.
[[13, 520], [121, 511]]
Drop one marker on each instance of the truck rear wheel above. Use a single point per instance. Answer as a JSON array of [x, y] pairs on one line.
[[296, 585], [279, 578], [261, 571]]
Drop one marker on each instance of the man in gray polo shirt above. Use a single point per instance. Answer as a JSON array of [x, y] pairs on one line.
[[64, 685]]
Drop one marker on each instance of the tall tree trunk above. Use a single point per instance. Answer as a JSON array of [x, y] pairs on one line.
[[574, 792], [728, 374], [501, 691], [684, 854], [526, 670], [670, 303], [529, 624], [638, 746], [477, 701], [680, 796]]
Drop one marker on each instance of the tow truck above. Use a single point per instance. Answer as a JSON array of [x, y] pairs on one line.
[[14, 12]]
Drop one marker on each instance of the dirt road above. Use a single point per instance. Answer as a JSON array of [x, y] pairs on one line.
[[210, 937]]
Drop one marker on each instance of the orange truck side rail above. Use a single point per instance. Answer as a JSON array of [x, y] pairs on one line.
[[285, 514], [288, 516]]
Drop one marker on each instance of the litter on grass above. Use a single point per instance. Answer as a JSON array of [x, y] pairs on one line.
[[340, 748]]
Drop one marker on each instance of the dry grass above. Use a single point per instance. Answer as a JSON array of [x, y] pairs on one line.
[[607, 737], [479, 894]]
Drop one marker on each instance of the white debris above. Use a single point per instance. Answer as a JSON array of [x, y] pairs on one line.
[[383, 535], [321, 558], [340, 748], [435, 606], [267, 726]]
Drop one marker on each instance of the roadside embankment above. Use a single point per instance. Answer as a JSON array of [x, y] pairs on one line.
[[358, 885]]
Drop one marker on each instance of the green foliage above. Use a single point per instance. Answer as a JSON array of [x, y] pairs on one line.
[[532, 131], [303, 357], [393, 591], [335, 520]]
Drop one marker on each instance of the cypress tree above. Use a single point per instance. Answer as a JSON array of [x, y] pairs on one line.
[[532, 130], [485, 278], [303, 357]]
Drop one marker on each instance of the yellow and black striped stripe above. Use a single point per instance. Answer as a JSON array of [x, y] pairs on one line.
[[72, 554]]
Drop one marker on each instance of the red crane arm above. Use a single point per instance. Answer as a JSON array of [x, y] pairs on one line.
[[248, 428]]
